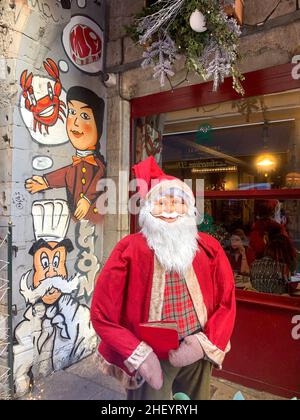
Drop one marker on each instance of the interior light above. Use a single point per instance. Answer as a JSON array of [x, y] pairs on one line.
[[214, 170], [266, 162]]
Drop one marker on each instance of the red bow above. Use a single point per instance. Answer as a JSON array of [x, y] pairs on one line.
[[88, 159]]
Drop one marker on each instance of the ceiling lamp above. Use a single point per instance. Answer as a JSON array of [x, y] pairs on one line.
[[266, 163]]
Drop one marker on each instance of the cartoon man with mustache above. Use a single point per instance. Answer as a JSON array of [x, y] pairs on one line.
[[55, 331], [84, 128]]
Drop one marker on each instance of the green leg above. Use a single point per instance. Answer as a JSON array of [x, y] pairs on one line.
[[194, 381]]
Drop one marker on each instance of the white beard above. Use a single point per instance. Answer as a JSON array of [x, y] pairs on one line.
[[175, 244]]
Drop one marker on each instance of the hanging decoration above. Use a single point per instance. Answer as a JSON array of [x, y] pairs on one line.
[[161, 54], [198, 29], [204, 134], [198, 22]]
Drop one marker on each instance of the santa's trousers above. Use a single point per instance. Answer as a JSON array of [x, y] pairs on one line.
[[193, 380]]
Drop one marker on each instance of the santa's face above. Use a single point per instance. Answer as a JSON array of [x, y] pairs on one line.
[[169, 225], [169, 208], [49, 263]]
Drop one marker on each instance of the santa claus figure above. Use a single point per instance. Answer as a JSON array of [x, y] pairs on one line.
[[167, 272]]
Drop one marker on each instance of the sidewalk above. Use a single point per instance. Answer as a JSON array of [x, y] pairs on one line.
[[83, 382]]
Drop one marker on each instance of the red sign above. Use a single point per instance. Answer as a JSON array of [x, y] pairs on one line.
[[86, 45]]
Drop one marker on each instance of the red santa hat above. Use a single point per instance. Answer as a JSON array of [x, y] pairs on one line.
[[153, 182]]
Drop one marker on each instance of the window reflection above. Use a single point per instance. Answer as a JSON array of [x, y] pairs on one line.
[[253, 143], [261, 239], [243, 146]]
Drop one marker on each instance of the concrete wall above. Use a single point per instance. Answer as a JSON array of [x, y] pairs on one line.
[[262, 46], [49, 52]]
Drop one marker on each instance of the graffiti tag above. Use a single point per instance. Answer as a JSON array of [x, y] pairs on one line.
[[50, 9], [87, 264]]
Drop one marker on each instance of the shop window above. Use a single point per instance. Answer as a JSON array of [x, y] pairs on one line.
[[251, 144], [258, 230], [248, 153]]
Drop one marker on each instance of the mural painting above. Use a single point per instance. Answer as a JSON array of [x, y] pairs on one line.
[[55, 330], [47, 110], [62, 106], [84, 128], [43, 105], [83, 42], [42, 163], [87, 263]]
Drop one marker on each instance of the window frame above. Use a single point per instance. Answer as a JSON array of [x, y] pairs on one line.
[[261, 82]]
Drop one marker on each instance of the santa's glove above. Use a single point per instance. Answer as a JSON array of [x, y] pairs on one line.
[[151, 371], [189, 352]]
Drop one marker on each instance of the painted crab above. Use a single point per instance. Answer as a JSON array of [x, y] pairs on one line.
[[48, 109]]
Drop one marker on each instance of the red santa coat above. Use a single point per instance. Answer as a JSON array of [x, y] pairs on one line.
[[130, 291]]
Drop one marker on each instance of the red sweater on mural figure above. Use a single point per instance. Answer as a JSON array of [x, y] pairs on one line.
[[123, 299], [70, 177]]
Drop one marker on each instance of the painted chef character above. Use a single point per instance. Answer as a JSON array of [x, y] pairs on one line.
[[55, 331], [84, 128], [167, 272]]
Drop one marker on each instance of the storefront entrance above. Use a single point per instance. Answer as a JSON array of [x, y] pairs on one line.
[[247, 151]]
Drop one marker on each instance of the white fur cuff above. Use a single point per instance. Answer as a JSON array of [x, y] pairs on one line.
[[212, 352], [138, 357]]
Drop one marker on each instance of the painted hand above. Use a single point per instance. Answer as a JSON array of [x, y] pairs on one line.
[[151, 371], [82, 209], [36, 184], [189, 352]]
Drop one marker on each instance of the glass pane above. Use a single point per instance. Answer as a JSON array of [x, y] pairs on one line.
[[247, 144], [148, 138], [251, 231]]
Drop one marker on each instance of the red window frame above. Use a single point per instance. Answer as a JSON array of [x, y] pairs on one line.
[[262, 82]]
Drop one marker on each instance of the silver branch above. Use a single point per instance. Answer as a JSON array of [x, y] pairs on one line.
[[153, 23]]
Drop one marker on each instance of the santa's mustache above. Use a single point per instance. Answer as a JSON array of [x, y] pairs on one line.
[[60, 283], [173, 215]]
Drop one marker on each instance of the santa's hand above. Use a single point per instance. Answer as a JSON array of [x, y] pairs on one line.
[[151, 371], [189, 352], [36, 184], [82, 209]]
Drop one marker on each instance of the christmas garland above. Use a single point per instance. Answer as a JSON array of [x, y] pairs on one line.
[[199, 29]]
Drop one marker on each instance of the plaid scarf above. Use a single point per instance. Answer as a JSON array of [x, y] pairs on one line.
[[178, 305]]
